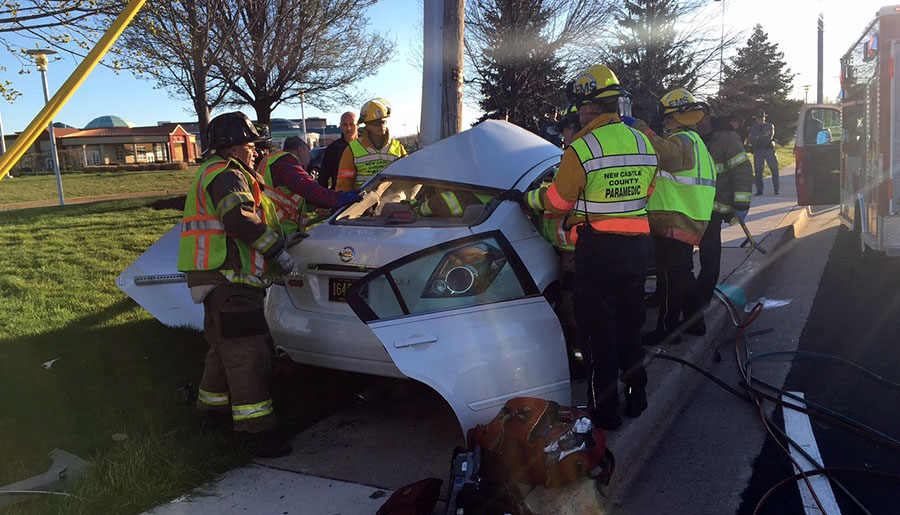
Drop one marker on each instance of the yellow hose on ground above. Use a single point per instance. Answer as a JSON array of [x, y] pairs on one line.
[[42, 120]]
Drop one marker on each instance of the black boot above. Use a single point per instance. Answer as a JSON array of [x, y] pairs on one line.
[[698, 328], [271, 443], [635, 401]]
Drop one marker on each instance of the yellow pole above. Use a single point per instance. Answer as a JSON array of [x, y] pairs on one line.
[[52, 108]]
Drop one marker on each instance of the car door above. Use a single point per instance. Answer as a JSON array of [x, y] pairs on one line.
[[818, 155], [465, 318]]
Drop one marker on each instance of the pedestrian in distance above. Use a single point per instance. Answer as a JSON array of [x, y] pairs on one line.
[[602, 187], [762, 144], [372, 151], [331, 158], [290, 187], [680, 207], [231, 248], [734, 178]]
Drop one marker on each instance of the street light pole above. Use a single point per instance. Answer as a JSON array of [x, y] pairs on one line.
[[40, 59], [721, 46], [303, 113]]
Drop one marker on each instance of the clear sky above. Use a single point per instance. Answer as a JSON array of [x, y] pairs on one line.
[[790, 23]]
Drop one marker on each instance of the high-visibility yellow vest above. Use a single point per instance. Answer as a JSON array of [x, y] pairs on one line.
[[619, 172], [451, 200], [204, 242], [290, 206], [552, 228], [689, 192], [369, 161]]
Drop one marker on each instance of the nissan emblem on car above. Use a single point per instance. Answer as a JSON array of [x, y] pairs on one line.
[[346, 254]]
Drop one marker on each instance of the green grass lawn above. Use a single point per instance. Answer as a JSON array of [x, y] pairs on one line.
[[43, 187], [117, 371]]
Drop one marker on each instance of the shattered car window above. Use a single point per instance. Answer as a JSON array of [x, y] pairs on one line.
[[395, 200]]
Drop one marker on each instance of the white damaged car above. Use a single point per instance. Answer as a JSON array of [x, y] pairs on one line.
[[455, 298]]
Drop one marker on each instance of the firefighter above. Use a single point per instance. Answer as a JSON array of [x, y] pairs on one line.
[[734, 178], [231, 248], [553, 229], [446, 203], [602, 185], [290, 186], [680, 207], [372, 151]]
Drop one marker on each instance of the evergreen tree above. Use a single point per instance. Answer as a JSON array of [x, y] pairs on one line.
[[758, 78], [517, 72], [658, 49]]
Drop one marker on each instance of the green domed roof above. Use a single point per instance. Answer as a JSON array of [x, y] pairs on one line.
[[108, 120]]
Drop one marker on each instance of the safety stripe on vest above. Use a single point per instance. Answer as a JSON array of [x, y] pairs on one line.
[[603, 208], [452, 203], [192, 225], [639, 138], [593, 144], [212, 398], [693, 181], [248, 411], [375, 157], [562, 235], [602, 163], [346, 174]]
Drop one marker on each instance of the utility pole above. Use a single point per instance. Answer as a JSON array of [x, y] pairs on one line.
[[806, 93], [819, 82], [442, 70], [452, 72], [2, 138], [40, 59]]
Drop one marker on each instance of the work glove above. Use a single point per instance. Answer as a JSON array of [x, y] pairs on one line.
[[513, 195], [294, 238], [348, 197], [628, 120], [286, 262]]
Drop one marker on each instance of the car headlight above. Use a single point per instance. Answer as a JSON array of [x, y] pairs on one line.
[[465, 271]]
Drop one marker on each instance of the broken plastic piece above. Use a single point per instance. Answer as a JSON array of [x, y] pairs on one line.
[[768, 304], [62, 472], [48, 364]]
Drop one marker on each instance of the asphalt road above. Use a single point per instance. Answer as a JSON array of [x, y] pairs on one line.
[[855, 316]]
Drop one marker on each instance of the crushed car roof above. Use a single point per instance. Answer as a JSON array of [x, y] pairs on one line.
[[493, 154]]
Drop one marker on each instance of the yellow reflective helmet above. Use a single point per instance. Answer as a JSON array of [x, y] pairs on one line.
[[375, 109], [595, 83], [683, 106]]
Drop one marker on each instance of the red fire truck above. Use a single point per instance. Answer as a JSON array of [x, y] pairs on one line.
[[868, 183]]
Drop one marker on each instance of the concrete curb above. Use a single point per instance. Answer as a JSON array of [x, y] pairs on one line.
[[670, 382]]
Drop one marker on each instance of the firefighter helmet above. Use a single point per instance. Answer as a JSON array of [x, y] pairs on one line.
[[682, 105], [265, 137], [569, 118], [597, 83], [230, 129], [375, 109]]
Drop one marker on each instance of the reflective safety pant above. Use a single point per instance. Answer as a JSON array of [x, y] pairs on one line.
[[609, 307], [240, 360]]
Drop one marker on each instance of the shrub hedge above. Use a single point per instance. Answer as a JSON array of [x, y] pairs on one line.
[[136, 167]]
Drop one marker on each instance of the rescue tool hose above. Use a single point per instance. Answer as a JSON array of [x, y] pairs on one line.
[[52, 108], [826, 471]]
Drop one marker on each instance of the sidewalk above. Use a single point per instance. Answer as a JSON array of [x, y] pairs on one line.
[[85, 200], [352, 461]]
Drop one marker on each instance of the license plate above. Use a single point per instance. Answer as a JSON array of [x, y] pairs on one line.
[[337, 288]]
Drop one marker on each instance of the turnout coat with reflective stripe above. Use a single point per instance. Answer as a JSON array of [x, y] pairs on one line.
[[204, 243], [605, 178], [290, 206]]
